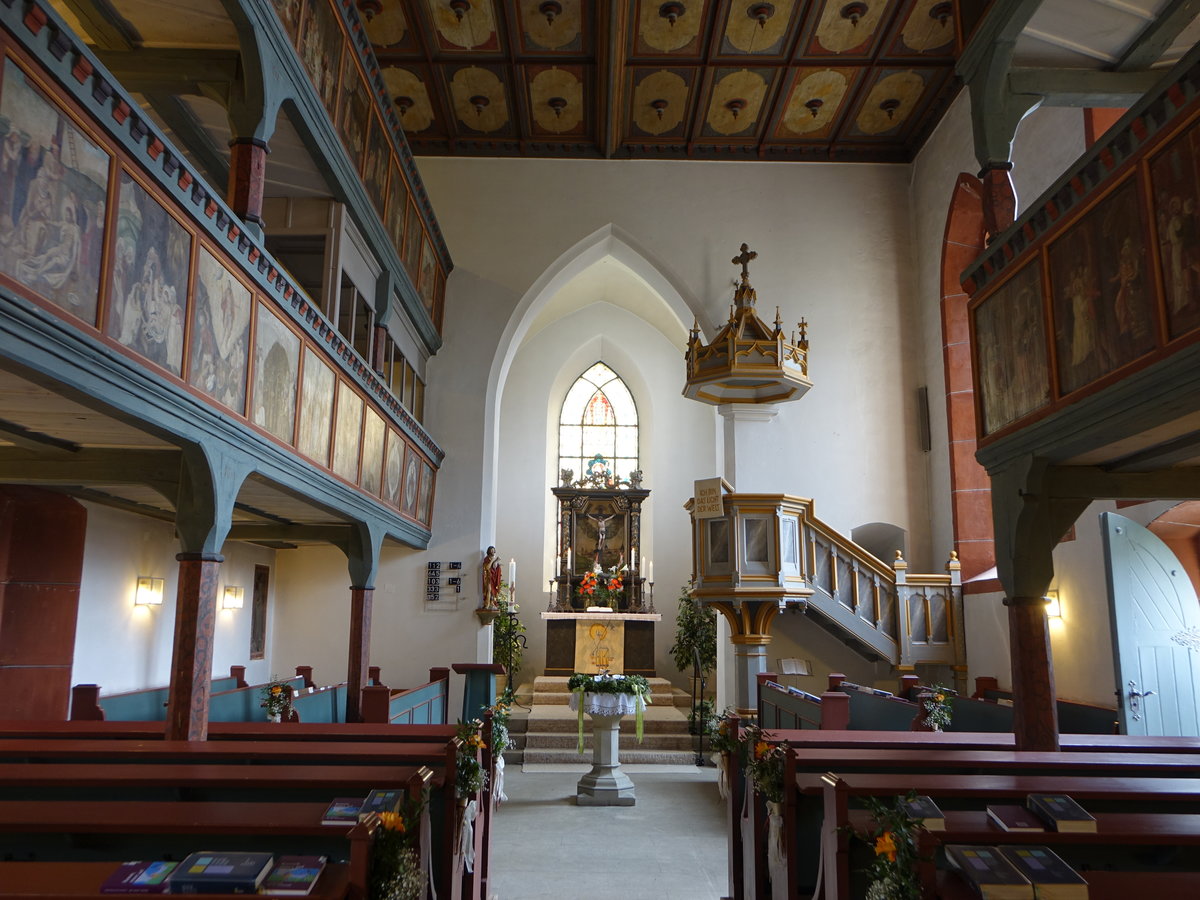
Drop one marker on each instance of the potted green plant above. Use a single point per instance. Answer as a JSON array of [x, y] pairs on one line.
[[695, 635]]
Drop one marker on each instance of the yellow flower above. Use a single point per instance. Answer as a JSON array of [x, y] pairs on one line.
[[392, 821], [939, 697], [884, 844], [761, 749], [276, 689]]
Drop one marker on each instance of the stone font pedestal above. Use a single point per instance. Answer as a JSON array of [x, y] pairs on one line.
[[605, 784]]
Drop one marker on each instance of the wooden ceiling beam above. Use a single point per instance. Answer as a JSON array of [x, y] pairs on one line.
[[94, 466], [1090, 482], [35, 440], [107, 27], [610, 75], [270, 531], [173, 70], [1157, 36]]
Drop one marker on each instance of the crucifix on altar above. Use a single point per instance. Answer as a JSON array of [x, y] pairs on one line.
[[601, 614]]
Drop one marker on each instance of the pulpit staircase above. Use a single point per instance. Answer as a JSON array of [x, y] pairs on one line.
[[549, 734]]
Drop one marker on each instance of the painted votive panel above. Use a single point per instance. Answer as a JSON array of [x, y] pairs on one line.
[[320, 49], [393, 468], [289, 13], [425, 503], [372, 453], [148, 278], [316, 408], [220, 334], [1175, 189], [354, 104], [276, 369], [1010, 346], [412, 474], [1102, 290], [347, 432], [375, 167], [53, 195], [428, 288]]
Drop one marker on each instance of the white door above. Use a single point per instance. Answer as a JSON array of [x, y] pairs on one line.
[[1156, 631]]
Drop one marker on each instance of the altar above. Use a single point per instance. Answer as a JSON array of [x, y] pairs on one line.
[[592, 642], [601, 615]]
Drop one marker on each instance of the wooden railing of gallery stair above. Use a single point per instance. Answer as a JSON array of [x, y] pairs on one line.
[[903, 618]]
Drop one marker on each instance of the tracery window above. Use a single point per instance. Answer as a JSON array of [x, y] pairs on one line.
[[598, 417]]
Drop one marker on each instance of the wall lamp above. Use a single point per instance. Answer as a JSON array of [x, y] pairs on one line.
[[233, 598], [149, 591], [1053, 605]]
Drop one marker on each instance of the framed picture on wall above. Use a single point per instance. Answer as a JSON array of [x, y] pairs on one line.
[[220, 333], [347, 432], [276, 369], [316, 408], [53, 197]]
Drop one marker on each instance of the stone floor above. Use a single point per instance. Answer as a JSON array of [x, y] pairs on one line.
[[670, 846]]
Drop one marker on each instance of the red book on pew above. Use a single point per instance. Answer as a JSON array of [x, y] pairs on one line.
[[1011, 817], [139, 877]]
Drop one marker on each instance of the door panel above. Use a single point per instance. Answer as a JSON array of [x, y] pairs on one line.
[[1153, 609]]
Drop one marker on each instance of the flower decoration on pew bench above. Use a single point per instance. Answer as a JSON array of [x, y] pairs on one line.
[[938, 706], [470, 778], [635, 685], [893, 869], [277, 700], [395, 863]]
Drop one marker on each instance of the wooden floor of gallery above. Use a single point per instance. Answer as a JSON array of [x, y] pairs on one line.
[[669, 846]]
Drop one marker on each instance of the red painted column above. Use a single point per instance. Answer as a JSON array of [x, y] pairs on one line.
[[360, 650], [41, 563], [247, 176], [192, 657], [1035, 715]]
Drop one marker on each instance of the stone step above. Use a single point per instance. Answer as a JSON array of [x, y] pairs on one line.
[[643, 756], [563, 740]]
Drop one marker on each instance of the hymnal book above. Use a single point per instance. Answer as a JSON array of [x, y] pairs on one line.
[[924, 809], [1052, 879], [293, 875], [991, 875], [218, 872], [139, 877], [381, 801], [1011, 817], [1061, 812], [792, 666], [342, 811]]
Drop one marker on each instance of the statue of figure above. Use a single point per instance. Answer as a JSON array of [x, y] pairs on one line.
[[601, 537], [565, 476], [491, 579], [635, 478]]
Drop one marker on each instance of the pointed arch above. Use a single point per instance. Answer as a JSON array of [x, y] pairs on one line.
[[607, 242], [970, 487]]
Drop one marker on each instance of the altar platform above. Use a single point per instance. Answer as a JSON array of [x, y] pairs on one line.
[[618, 642], [551, 734]]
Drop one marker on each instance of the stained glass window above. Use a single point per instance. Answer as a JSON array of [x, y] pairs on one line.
[[598, 417]]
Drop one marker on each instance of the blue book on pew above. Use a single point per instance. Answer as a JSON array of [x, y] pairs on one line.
[[139, 877], [219, 872]]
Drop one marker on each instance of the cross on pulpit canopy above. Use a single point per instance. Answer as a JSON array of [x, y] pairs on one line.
[[743, 259]]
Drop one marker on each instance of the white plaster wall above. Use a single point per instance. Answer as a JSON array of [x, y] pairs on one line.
[[833, 247], [1047, 142], [122, 647], [673, 446]]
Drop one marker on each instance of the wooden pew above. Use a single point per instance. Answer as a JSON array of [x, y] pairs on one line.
[[145, 705], [425, 704], [1102, 794], [43, 880], [1073, 717]]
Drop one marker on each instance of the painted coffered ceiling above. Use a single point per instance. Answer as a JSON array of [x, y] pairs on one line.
[[705, 79]]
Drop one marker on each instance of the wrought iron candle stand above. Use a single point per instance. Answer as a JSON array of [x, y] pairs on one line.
[[510, 622]]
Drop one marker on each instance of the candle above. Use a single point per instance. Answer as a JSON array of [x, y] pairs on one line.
[[570, 571], [651, 576], [643, 569], [512, 573]]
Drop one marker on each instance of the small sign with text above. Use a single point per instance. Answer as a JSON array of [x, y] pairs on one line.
[[707, 498]]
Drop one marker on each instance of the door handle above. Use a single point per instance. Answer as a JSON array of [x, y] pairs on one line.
[[1135, 698]]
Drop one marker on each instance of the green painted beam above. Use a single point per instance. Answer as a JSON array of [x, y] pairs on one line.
[[1002, 24], [269, 531], [1160, 34], [1083, 87], [1089, 482]]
